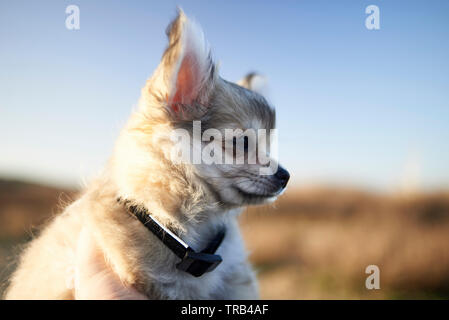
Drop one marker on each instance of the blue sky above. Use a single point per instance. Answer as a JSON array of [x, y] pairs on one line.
[[354, 106]]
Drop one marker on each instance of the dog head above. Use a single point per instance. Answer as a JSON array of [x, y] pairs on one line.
[[226, 126]]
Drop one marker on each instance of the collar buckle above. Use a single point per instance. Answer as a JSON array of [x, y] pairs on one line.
[[198, 263]]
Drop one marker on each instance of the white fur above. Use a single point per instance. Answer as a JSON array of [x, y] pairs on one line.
[[140, 171]]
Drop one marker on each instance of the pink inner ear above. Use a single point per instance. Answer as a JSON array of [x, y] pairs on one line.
[[186, 83]]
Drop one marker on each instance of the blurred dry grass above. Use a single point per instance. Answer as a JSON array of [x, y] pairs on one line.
[[23, 208], [317, 243], [314, 243]]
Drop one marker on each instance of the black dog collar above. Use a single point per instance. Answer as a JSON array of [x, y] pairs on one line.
[[192, 262]]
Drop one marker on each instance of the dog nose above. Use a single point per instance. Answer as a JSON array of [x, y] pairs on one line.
[[283, 176]]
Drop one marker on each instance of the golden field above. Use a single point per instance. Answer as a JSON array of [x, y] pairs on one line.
[[314, 243]]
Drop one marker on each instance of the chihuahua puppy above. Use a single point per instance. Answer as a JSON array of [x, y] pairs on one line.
[[191, 201]]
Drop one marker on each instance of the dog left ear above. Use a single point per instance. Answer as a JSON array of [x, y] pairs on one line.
[[188, 69]]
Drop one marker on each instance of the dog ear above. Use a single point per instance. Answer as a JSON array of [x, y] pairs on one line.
[[187, 66], [255, 82]]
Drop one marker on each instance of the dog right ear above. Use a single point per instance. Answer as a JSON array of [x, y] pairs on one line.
[[255, 82], [186, 70]]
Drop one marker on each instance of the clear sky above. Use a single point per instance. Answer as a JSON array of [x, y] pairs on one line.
[[355, 106]]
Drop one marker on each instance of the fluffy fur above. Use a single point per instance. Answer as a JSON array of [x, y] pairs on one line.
[[192, 200]]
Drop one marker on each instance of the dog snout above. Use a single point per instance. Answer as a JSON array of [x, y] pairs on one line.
[[282, 176]]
